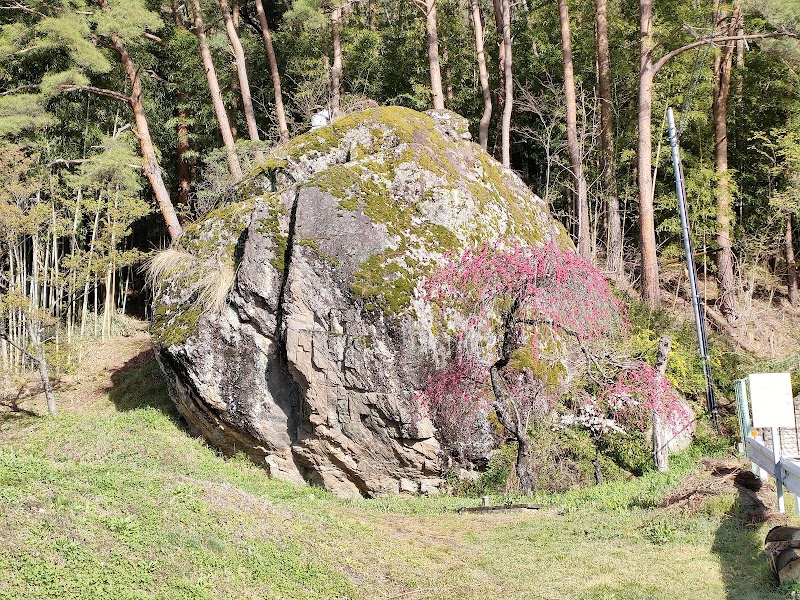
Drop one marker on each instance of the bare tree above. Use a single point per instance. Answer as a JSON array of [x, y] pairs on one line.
[[548, 109]]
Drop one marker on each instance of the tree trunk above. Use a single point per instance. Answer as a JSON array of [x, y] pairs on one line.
[[505, 131], [722, 81], [373, 15], [150, 166], [598, 472], [183, 168], [47, 385], [448, 76], [660, 453], [791, 267], [662, 354], [647, 233], [216, 94], [501, 59], [614, 243], [280, 113], [576, 163], [527, 478], [486, 117], [739, 50], [437, 95], [336, 69], [241, 70]]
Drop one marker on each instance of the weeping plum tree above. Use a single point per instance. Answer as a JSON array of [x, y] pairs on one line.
[[518, 313], [520, 308]]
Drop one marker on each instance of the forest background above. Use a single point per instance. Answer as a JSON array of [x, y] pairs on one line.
[[123, 121]]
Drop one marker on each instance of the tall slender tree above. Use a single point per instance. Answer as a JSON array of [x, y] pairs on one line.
[[336, 68], [234, 166], [580, 190], [648, 68], [508, 87], [614, 243], [791, 264], [498, 9], [241, 69], [432, 38], [280, 112], [483, 75], [183, 168], [647, 228], [723, 65]]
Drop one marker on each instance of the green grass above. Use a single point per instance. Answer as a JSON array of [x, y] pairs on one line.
[[120, 502]]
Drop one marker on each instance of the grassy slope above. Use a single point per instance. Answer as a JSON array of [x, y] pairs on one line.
[[117, 501]]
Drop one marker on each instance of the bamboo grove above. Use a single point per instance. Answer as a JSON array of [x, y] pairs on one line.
[[124, 120]]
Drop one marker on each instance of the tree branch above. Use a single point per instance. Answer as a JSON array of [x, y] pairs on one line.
[[717, 40], [22, 7], [65, 161], [499, 409], [97, 91], [591, 359], [153, 37], [21, 88], [4, 336]]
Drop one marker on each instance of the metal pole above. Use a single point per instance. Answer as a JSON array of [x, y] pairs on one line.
[[776, 452], [699, 316]]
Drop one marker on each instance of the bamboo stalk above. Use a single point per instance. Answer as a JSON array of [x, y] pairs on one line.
[[85, 310]]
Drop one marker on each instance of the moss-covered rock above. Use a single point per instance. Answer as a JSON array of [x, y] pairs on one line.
[[313, 366]]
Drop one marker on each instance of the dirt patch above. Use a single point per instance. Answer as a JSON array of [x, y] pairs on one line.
[[756, 500], [766, 322], [87, 389]]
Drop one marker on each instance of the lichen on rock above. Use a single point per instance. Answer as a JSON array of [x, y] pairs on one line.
[[313, 365]]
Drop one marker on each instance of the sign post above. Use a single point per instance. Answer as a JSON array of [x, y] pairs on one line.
[[773, 407]]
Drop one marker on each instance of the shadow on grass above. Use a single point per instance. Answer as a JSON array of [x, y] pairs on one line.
[[29, 393], [739, 541], [139, 383]]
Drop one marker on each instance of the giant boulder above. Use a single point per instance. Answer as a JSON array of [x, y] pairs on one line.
[[311, 362]]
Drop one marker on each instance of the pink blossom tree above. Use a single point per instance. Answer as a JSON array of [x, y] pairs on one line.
[[515, 309]]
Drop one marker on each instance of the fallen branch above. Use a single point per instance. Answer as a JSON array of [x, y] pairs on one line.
[[478, 509]]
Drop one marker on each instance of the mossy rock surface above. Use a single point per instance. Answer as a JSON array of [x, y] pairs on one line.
[[313, 364]]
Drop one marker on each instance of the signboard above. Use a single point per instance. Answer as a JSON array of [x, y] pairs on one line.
[[771, 400]]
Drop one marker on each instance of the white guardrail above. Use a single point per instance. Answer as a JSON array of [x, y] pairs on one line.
[[785, 470]]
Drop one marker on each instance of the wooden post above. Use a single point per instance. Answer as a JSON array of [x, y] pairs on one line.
[[660, 431], [660, 454]]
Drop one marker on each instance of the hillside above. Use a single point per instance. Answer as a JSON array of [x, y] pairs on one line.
[[113, 499]]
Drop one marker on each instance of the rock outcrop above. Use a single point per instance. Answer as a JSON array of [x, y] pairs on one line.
[[311, 364]]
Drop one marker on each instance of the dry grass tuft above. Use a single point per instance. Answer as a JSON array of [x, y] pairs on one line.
[[212, 282]]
